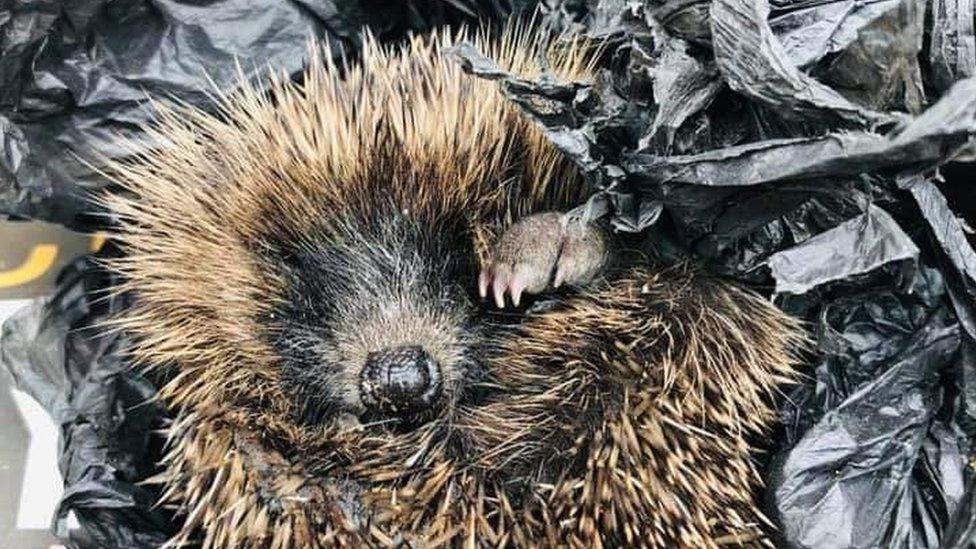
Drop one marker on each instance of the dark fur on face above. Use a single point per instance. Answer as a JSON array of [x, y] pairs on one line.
[[366, 286]]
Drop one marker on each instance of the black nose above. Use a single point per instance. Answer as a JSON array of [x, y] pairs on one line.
[[400, 380]]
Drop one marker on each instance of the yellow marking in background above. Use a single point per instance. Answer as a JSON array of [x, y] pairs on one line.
[[97, 241], [38, 262]]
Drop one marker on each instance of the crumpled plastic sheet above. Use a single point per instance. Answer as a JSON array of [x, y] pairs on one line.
[[109, 424], [941, 130], [815, 30], [754, 63], [874, 464], [952, 53], [948, 231], [856, 246]]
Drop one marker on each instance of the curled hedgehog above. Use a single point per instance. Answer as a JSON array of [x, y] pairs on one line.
[[378, 327]]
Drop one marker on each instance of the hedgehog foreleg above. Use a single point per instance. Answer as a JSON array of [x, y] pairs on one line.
[[541, 252]]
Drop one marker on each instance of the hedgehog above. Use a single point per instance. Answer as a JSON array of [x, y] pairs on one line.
[[377, 325]]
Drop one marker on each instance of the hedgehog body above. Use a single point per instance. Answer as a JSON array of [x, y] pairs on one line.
[[306, 266]]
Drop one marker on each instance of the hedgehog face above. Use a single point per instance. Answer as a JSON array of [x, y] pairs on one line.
[[376, 324]]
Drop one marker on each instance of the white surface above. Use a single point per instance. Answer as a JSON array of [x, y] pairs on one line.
[[8, 307], [41, 487]]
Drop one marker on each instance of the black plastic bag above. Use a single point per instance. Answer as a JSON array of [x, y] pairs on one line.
[[110, 426]]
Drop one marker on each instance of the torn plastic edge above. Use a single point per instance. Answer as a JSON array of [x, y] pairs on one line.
[[843, 31], [948, 232], [952, 51], [683, 86], [754, 63], [858, 245], [945, 226], [935, 136]]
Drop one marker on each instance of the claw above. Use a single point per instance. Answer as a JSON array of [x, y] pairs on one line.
[[559, 278], [516, 287], [499, 284], [483, 280], [536, 248]]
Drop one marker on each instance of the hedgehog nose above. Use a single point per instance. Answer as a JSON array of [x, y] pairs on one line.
[[400, 380]]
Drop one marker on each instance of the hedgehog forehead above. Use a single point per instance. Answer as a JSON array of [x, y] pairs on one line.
[[354, 271]]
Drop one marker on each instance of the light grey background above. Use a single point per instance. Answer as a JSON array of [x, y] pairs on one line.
[[30, 484]]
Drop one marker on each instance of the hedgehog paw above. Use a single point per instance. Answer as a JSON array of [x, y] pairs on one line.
[[542, 252]]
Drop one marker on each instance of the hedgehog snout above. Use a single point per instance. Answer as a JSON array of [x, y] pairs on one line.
[[400, 381]]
